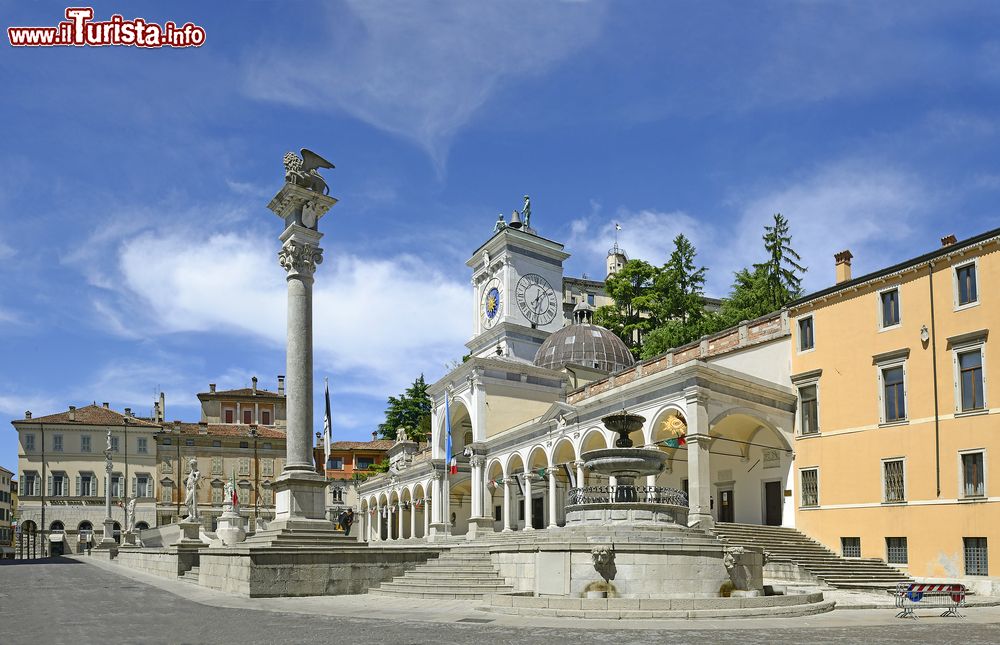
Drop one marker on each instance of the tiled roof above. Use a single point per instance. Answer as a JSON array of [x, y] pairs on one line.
[[223, 430], [94, 415], [379, 444], [244, 391]]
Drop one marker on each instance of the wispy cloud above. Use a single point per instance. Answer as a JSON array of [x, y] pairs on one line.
[[421, 71], [869, 207]]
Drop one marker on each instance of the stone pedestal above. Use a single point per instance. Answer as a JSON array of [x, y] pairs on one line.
[[128, 541], [479, 526], [108, 543], [190, 533], [230, 528], [438, 531]]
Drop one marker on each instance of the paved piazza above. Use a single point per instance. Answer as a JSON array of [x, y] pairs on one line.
[[68, 601]]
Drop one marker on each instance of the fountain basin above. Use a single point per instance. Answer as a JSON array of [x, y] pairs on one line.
[[625, 462]]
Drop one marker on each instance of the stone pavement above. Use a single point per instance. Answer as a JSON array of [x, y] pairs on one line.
[[86, 600]]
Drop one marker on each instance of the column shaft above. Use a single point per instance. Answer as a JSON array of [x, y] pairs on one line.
[[553, 520], [528, 525], [506, 505], [299, 397]]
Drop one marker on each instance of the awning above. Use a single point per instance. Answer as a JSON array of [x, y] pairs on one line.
[[57, 537]]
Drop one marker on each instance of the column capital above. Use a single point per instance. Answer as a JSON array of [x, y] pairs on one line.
[[700, 440], [298, 256], [552, 470], [695, 395], [477, 461]]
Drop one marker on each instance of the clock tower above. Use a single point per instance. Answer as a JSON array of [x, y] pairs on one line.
[[517, 283]]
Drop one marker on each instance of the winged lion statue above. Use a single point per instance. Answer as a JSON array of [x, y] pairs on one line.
[[302, 171]]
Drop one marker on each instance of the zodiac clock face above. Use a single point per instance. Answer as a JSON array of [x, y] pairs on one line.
[[491, 303], [536, 299]]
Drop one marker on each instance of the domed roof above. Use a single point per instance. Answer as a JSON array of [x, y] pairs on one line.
[[584, 343]]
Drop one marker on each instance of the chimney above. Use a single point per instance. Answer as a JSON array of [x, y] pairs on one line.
[[948, 240], [27, 414], [72, 413], [374, 435], [211, 388], [281, 383], [163, 407], [106, 406], [253, 387], [128, 412], [843, 266]]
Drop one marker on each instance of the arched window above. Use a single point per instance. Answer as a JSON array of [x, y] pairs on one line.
[[57, 526], [141, 526], [118, 532]]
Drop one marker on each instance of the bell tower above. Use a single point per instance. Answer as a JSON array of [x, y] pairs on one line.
[[517, 292]]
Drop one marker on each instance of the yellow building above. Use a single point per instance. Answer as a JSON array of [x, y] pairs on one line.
[[895, 429]]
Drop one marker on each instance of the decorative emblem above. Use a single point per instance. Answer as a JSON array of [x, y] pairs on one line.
[[491, 303]]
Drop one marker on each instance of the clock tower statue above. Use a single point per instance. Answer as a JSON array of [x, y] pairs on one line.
[[517, 280]]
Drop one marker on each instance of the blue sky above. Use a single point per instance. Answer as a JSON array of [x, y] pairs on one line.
[[136, 250]]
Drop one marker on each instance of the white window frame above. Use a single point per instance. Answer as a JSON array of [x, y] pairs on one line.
[[148, 484], [57, 443], [964, 348], [798, 334], [954, 283], [29, 442], [802, 488], [222, 415], [879, 369], [115, 444], [142, 446], [798, 390], [899, 307], [85, 443], [885, 496], [961, 475]]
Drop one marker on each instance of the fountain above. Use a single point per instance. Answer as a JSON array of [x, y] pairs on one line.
[[623, 502]]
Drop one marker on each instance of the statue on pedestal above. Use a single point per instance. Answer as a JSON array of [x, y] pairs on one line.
[[191, 484], [302, 171], [130, 515]]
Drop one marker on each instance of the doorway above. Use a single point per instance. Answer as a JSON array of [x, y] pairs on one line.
[[538, 512], [772, 503], [727, 512]]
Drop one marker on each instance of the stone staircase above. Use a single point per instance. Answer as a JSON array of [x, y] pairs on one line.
[[790, 545], [460, 573], [190, 576]]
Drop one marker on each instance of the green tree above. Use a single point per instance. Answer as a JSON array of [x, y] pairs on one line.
[[679, 301], [781, 283], [630, 317], [410, 410]]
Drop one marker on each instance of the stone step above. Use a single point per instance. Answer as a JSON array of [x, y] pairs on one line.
[[445, 570], [431, 595], [446, 590], [425, 578]]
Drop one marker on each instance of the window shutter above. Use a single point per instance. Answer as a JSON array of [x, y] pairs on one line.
[[93, 486], [78, 486], [23, 485], [50, 485], [135, 486]]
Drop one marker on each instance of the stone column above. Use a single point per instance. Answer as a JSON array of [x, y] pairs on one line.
[[378, 524], [553, 520], [413, 519], [699, 470], [527, 502], [581, 475], [108, 540], [427, 516], [437, 526], [479, 522], [300, 503], [399, 520], [506, 505]]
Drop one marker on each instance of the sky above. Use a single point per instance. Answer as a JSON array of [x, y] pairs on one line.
[[137, 253]]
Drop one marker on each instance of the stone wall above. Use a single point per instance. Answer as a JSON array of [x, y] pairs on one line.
[[277, 572], [155, 561]]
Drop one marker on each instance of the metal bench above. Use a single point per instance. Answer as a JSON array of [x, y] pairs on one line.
[[912, 595]]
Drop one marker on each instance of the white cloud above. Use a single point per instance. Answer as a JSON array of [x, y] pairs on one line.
[[378, 322], [422, 71], [16, 404], [867, 207]]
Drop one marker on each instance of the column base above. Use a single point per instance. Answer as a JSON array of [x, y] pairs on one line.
[[438, 531], [702, 521], [478, 526], [300, 514]]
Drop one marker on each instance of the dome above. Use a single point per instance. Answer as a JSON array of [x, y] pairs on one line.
[[584, 343]]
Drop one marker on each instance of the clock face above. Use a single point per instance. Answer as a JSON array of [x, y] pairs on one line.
[[491, 303], [536, 299]]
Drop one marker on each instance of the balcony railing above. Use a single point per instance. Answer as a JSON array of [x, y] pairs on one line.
[[627, 494]]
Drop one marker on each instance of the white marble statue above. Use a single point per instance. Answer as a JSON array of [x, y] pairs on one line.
[[130, 515], [401, 435], [227, 495], [191, 483]]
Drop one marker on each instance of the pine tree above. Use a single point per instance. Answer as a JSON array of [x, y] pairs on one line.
[[410, 410], [679, 301], [781, 283], [630, 315]]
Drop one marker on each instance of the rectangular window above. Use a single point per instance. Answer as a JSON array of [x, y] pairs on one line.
[[364, 463], [265, 417], [87, 485], [806, 339], [166, 493], [890, 308], [229, 415], [894, 393], [850, 547], [165, 466], [85, 443], [895, 550], [809, 409], [267, 496], [244, 444], [167, 441], [189, 442], [114, 444], [968, 291], [590, 299], [143, 486], [335, 463], [893, 481], [57, 444], [243, 494], [60, 485], [266, 445], [973, 479], [267, 467], [248, 417], [216, 443], [31, 484], [29, 443], [810, 487], [142, 445], [216, 465], [216, 495], [976, 556], [244, 465], [117, 485], [970, 375]]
